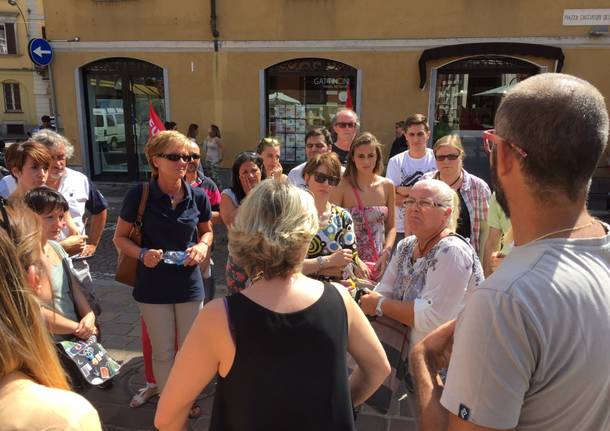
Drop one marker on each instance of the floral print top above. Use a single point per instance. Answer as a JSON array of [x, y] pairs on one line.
[[337, 235], [376, 217], [437, 283]]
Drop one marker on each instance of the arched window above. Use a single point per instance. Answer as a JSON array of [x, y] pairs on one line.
[[118, 92], [302, 94], [465, 99]]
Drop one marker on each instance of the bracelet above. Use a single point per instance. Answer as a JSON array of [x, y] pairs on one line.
[[142, 253], [320, 261]]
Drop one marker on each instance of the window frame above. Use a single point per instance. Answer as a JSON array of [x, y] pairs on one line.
[[10, 36], [13, 104]]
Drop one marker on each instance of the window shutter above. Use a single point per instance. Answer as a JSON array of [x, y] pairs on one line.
[[17, 96], [11, 37]]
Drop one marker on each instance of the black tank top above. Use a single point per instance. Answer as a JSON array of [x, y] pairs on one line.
[[289, 371]]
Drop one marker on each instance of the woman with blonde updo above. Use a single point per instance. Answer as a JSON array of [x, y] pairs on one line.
[[34, 392], [285, 326], [269, 150]]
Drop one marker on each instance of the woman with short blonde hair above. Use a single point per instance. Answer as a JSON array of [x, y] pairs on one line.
[[284, 324]]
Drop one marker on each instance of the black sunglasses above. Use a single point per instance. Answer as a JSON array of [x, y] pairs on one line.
[[174, 157], [448, 156], [322, 178], [195, 156]]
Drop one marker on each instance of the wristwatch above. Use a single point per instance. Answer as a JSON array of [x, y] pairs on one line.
[[378, 310], [320, 261]]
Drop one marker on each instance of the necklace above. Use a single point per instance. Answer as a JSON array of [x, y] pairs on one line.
[[325, 216], [569, 229], [438, 177], [427, 243]]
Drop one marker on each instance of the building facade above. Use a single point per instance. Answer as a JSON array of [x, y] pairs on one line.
[[281, 67], [25, 92]]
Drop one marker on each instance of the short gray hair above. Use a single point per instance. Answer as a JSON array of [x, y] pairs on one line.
[[445, 197], [51, 139], [562, 123], [333, 121]]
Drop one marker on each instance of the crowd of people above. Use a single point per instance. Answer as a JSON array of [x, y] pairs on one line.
[[504, 297]]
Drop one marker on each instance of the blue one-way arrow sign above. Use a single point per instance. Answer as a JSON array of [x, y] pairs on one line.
[[40, 51]]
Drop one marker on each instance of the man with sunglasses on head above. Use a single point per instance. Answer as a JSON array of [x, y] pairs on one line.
[[530, 350], [317, 141], [345, 124], [406, 168]]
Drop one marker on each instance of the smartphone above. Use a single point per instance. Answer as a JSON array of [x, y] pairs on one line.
[[78, 257]]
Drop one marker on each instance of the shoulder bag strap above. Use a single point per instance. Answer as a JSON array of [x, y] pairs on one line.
[[366, 222], [142, 206]]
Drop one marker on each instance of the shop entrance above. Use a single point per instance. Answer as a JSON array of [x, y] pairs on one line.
[[466, 95], [118, 92]]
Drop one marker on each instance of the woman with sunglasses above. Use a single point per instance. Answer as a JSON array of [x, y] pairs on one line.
[[426, 281], [333, 248], [369, 198], [473, 192], [177, 218], [269, 150], [34, 392], [247, 172]]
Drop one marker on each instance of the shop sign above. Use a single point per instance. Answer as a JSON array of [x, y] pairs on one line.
[[328, 82], [586, 17]]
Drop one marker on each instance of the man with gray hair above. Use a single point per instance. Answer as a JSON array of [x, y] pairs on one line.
[[530, 350], [345, 124]]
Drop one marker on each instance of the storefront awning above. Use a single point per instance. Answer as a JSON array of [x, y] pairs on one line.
[[491, 48]]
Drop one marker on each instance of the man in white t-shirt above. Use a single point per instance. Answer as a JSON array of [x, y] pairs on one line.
[[317, 141], [402, 167], [530, 351]]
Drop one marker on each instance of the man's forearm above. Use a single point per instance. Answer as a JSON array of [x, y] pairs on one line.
[[432, 416], [98, 221]]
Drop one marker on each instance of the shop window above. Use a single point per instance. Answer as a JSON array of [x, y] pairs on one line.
[[466, 97], [303, 94], [12, 97], [8, 39]]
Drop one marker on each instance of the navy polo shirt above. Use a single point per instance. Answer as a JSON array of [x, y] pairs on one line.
[[168, 229]]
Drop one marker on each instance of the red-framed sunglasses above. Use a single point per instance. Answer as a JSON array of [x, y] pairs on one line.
[[490, 138]]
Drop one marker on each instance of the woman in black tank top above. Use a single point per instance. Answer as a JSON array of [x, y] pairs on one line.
[[279, 347]]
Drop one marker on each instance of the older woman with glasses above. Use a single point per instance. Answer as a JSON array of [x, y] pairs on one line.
[[333, 248], [176, 238], [473, 192], [429, 275]]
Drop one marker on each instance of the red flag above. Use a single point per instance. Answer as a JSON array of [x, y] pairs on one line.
[[348, 101], [155, 125]]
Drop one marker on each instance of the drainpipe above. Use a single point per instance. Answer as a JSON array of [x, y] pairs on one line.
[[213, 23]]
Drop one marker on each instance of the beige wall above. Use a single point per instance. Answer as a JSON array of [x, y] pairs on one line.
[[309, 19]]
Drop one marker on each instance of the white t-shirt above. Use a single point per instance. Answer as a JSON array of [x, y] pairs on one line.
[[295, 176], [532, 346], [7, 186], [402, 166]]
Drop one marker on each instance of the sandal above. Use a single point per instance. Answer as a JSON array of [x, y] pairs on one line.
[[195, 411], [143, 395]]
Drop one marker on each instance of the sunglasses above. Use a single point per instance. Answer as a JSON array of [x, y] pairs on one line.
[[322, 178], [195, 156], [448, 157], [174, 157], [343, 125]]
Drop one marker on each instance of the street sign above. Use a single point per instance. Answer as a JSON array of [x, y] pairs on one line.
[[40, 51]]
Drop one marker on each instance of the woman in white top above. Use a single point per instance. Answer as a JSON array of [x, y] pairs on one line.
[[212, 145], [34, 393], [428, 277]]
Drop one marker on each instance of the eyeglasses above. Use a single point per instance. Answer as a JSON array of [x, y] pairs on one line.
[[174, 157], [343, 125], [322, 178], [447, 156], [490, 138], [422, 204], [195, 156]]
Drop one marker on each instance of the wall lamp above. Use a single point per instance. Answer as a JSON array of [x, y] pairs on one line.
[[14, 3]]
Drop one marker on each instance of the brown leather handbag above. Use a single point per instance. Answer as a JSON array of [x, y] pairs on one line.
[[126, 265]]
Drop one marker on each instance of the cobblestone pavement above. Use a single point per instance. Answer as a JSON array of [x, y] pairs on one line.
[[121, 337]]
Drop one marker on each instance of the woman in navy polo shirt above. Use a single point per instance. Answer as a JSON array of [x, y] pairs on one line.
[[177, 218]]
